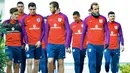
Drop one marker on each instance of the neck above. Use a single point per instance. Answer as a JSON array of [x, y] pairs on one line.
[[111, 21], [95, 15], [77, 21], [12, 18], [56, 12], [21, 13]]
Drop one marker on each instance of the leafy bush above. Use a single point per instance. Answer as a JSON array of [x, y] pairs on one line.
[[3, 57], [125, 68]]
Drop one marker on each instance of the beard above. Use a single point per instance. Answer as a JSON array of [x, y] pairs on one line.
[[53, 12]]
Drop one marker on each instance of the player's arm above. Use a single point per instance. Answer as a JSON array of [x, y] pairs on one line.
[[43, 30], [47, 28], [107, 33], [71, 25], [84, 30], [68, 32], [121, 38], [38, 44], [24, 34]]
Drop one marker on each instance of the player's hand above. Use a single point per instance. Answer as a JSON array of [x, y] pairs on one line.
[[22, 46], [38, 44], [68, 50], [26, 47], [122, 48], [106, 46]]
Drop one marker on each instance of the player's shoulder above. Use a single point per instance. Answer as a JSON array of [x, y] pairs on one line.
[[117, 23], [88, 17], [64, 15], [72, 23], [102, 16], [39, 15], [6, 21], [25, 16]]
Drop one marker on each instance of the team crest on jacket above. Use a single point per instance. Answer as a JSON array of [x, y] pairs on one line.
[[59, 19], [100, 20], [116, 27], [82, 25], [13, 28], [38, 19]]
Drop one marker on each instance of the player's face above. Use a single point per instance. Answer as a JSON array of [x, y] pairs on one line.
[[95, 9], [76, 18], [32, 10], [20, 8], [14, 15], [52, 9], [111, 17]]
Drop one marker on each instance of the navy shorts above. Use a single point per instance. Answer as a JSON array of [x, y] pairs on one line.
[[56, 51], [14, 53], [34, 52]]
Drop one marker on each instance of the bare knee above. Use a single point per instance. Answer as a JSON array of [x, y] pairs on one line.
[[61, 62], [10, 64], [36, 62], [29, 62], [50, 60], [16, 65]]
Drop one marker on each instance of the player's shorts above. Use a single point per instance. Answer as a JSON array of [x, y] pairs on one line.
[[14, 53], [34, 52], [56, 50]]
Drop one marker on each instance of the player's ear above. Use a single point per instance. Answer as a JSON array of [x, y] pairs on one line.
[[55, 8]]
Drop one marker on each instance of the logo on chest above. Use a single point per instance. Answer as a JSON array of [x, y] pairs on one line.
[[100, 21], [96, 28], [12, 28], [55, 26], [82, 25], [116, 27], [59, 19], [112, 33], [78, 32], [38, 20], [34, 27]]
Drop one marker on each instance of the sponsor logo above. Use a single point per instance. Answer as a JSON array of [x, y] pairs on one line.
[[96, 28]]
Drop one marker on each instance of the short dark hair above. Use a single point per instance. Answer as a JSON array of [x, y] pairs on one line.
[[94, 3], [55, 4], [12, 10], [20, 2], [111, 12], [76, 13], [31, 4]]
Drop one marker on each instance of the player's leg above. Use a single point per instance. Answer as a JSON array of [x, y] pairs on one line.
[[50, 55], [76, 56], [23, 64], [30, 56], [43, 62], [37, 56], [91, 58], [107, 56], [117, 68], [17, 54], [10, 56], [82, 57], [115, 58], [55, 64], [61, 55], [99, 56]]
